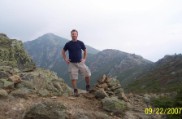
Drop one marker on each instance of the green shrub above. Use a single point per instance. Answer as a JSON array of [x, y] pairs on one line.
[[170, 102]]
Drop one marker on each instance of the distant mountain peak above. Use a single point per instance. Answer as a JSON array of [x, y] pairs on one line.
[[49, 38], [49, 34]]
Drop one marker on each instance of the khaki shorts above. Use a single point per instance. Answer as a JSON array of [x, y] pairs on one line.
[[75, 68]]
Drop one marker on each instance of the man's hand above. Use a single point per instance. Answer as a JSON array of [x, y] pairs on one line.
[[83, 60], [67, 61], [84, 56], [64, 57]]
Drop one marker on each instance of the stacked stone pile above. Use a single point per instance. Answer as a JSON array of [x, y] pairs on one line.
[[109, 87]]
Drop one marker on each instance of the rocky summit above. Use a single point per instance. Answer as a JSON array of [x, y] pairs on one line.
[[27, 92]]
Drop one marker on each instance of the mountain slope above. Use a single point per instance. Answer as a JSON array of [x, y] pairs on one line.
[[126, 67], [165, 76], [45, 51]]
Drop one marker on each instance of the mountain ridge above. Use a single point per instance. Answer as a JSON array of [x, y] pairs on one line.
[[164, 76], [49, 57], [119, 64]]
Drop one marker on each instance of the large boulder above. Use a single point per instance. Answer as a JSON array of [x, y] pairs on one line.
[[44, 82], [19, 76], [15, 78], [21, 93], [46, 110], [4, 83], [113, 104], [3, 93]]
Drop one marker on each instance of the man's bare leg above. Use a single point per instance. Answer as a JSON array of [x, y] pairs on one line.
[[73, 81], [87, 80]]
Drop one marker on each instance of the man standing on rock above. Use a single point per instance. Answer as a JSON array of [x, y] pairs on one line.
[[76, 63]]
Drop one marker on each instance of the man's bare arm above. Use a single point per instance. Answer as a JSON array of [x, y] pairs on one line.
[[64, 57], [84, 55]]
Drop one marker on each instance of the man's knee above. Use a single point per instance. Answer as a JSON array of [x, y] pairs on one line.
[[73, 80], [87, 77]]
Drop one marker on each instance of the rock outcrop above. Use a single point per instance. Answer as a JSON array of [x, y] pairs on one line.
[[46, 110], [114, 105], [19, 76], [13, 54]]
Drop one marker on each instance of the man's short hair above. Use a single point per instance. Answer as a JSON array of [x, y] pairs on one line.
[[74, 30]]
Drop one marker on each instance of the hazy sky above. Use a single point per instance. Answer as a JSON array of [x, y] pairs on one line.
[[150, 28]]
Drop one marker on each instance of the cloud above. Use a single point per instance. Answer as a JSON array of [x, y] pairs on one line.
[[151, 28]]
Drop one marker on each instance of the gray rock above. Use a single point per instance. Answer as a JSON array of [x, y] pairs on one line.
[[113, 104], [22, 93], [44, 82], [81, 116], [15, 78], [91, 115], [7, 84], [104, 86], [146, 99], [110, 93], [113, 83], [129, 106], [115, 87], [58, 86], [43, 92], [4, 74], [46, 110], [25, 84], [3, 93], [119, 90], [123, 97], [1, 84], [103, 79], [108, 79], [100, 94], [129, 115]]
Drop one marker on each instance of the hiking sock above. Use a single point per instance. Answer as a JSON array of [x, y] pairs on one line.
[[87, 87]]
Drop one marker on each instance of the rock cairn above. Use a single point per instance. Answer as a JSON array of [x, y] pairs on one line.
[[108, 87]]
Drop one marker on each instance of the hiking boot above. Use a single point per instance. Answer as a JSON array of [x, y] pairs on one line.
[[87, 88], [76, 93]]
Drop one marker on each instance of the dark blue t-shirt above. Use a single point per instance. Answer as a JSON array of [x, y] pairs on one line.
[[75, 50]]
